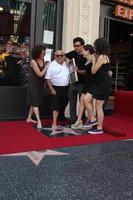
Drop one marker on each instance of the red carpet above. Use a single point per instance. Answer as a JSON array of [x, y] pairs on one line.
[[18, 136]]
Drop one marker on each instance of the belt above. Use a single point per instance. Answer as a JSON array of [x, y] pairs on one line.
[[60, 86]]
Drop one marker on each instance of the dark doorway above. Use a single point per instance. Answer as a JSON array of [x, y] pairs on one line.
[[121, 42]]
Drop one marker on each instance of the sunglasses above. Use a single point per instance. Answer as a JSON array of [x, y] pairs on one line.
[[59, 55], [77, 45]]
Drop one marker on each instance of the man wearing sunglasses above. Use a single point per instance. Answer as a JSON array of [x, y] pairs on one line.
[[58, 80], [76, 88]]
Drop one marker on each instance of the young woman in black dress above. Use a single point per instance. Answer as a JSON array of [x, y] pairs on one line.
[[102, 84], [88, 51], [36, 84]]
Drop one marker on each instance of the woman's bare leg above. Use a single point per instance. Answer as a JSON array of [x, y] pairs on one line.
[[100, 113], [81, 108], [88, 99], [55, 117], [37, 115], [29, 118]]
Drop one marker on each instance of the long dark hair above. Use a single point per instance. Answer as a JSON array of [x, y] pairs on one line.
[[102, 46]]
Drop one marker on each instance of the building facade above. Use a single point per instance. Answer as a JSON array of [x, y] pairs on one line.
[[55, 23], [116, 25], [52, 22], [81, 18]]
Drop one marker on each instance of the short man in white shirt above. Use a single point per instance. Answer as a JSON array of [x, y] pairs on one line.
[[58, 80]]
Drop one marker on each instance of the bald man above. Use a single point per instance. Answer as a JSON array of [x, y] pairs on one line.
[[58, 80]]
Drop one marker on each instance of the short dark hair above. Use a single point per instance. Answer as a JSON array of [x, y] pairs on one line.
[[78, 39], [37, 50], [102, 46], [89, 47]]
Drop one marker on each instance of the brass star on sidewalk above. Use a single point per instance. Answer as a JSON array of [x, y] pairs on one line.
[[61, 129], [36, 156]]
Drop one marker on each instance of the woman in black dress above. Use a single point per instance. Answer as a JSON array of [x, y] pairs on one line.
[[102, 84], [88, 51], [36, 83]]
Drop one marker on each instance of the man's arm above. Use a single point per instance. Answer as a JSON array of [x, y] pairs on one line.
[[82, 72], [69, 55], [52, 90]]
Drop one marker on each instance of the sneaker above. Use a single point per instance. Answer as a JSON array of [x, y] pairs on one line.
[[89, 124], [39, 126], [96, 131], [77, 125], [85, 126], [54, 127]]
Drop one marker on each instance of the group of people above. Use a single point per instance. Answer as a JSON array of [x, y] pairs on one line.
[[93, 86], [15, 65]]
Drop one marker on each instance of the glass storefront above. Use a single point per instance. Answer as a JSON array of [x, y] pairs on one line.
[[117, 28], [23, 24], [15, 19], [15, 37], [49, 26]]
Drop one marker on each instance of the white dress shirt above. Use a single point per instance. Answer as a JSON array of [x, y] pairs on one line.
[[58, 74]]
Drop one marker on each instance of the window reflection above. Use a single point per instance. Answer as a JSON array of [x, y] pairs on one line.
[[49, 15], [14, 42], [49, 25]]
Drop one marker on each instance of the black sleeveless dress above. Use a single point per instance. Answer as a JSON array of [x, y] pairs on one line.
[[35, 88], [102, 85], [89, 78]]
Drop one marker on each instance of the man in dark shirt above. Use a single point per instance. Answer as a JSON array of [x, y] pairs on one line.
[[76, 88]]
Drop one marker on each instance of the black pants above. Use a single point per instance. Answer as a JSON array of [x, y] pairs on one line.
[[60, 100], [74, 90]]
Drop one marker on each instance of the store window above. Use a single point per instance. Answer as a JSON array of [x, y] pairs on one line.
[[49, 26], [15, 19], [116, 26], [121, 42]]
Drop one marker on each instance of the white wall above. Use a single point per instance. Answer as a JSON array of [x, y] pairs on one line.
[[81, 18]]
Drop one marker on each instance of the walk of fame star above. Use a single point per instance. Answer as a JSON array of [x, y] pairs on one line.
[[36, 156], [60, 130]]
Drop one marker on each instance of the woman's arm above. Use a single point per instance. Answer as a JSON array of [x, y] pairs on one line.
[[110, 73], [45, 68], [37, 70], [97, 64], [82, 72]]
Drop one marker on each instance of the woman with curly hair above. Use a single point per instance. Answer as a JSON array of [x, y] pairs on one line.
[[36, 83]]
